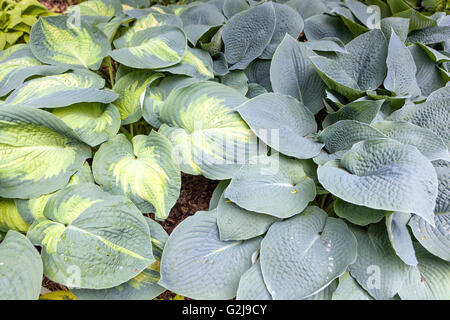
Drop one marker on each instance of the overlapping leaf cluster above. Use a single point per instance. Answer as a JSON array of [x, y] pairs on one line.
[[345, 102]]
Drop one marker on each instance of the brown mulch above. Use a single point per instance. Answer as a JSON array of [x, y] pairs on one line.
[[59, 6]]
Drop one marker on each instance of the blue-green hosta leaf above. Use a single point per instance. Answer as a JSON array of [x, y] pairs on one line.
[[94, 122], [360, 11], [209, 136], [111, 27], [39, 152], [325, 26], [155, 96], [11, 218], [437, 239], [430, 35], [401, 69], [20, 268], [247, 34], [252, 285], [324, 294], [349, 289], [377, 269], [429, 280], [361, 110], [236, 223], [396, 223], [433, 115], [96, 11], [151, 48], [232, 7], [401, 179], [292, 73], [196, 63], [358, 215], [236, 79], [258, 71], [288, 22], [33, 209], [197, 264], [288, 122], [254, 90], [307, 8], [362, 68], [141, 169], [348, 18], [145, 285], [61, 41], [434, 54], [343, 134], [302, 255], [61, 90], [428, 143], [417, 20], [17, 67], [282, 189], [217, 194], [326, 45], [399, 25], [91, 239]]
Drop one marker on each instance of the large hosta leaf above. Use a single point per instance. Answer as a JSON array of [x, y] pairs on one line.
[[91, 239], [283, 123], [247, 34], [96, 11], [151, 48], [60, 41], [325, 26], [349, 289], [20, 268], [402, 179], [252, 285], [209, 136], [437, 239], [145, 285], [61, 90], [292, 73], [396, 223], [11, 218], [236, 223], [197, 264], [93, 122], [282, 189], [39, 152], [302, 255], [141, 169], [358, 215], [430, 35], [377, 269], [429, 280], [361, 110], [19, 66]]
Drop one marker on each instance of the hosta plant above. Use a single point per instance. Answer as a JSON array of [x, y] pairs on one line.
[[325, 123]]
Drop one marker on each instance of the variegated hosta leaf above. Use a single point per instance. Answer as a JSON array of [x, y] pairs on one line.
[[361, 110], [283, 123], [437, 239], [401, 69], [377, 269], [39, 153], [252, 285], [197, 264], [236, 223], [349, 289], [141, 169], [68, 42], [130, 87], [93, 122], [196, 63], [20, 268], [11, 218], [91, 239], [145, 285], [302, 255], [152, 48], [277, 186], [287, 22], [434, 114], [156, 94], [96, 11], [429, 280], [19, 66], [209, 136], [362, 68], [396, 223], [247, 34], [292, 73], [61, 90], [58, 295], [383, 174], [358, 215]]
